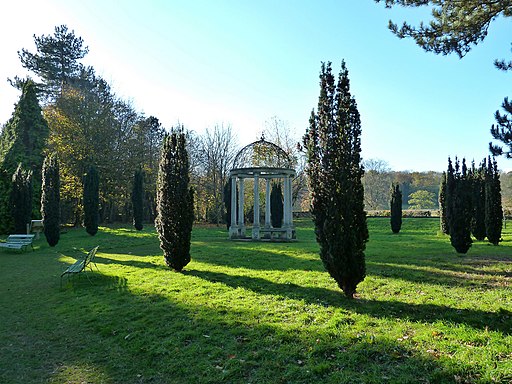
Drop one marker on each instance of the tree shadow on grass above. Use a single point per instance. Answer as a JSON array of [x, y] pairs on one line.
[[425, 313], [257, 257], [105, 333], [445, 276], [194, 344]]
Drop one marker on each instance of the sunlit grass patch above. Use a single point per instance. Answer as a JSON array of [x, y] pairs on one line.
[[244, 312]]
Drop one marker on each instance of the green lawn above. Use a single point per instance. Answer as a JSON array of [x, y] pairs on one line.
[[245, 312]]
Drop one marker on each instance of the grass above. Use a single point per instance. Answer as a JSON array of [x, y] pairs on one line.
[[246, 312]]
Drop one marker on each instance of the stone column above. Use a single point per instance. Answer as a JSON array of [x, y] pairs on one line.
[[267, 205], [256, 221], [286, 207], [290, 209], [241, 225], [233, 229], [286, 197]]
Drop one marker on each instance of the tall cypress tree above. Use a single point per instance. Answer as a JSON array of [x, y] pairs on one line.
[[226, 198], [91, 200], [50, 200], [461, 209], [477, 181], [442, 204], [493, 207], [276, 205], [175, 201], [396, 208], [21, 199], [333, 147], [138, 199], [449, 194]]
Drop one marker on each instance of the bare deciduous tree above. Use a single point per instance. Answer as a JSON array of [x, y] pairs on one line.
[[217, 150]]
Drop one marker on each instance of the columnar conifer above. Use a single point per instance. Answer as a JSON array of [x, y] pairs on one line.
[[442, 204], [334, 168], [91, 201], [396, 208], [227, 202], [449, 191], [175, 201], [461, 210], [22, 140], [50, 200], [276, 205], [477, 181], [21, 199], [493, 207], [138, 199]]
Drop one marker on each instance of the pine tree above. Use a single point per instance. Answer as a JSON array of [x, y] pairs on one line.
[[91, 201], [138, 199], [333, 149], [175, 201], [477, 181], [276, 205], [56, 61], [493, 207], [21, 199], [442, 204], [461, 210], [396, 208], [50, 200]]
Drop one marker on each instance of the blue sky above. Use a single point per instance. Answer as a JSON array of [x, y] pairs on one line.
[[204, 62]]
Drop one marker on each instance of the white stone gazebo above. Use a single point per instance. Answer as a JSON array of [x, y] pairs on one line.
[[256, 161]]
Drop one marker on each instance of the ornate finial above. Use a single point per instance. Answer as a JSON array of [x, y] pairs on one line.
[[262, 136]]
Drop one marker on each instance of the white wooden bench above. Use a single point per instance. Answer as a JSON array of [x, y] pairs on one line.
[[18, 242]]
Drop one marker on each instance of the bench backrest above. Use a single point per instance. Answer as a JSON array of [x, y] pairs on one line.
[[25, 239], [90, 256]]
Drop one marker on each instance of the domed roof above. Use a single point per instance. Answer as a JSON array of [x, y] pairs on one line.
[[262, 153]]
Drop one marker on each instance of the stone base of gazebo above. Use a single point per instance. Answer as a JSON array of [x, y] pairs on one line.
[[262, 233]]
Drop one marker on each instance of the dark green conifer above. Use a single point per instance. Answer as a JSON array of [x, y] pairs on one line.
[[6, 219], [493, 206], [91, 201], [442, 204], [138, 199], [22, 140], [461, 209], [396, 208], [50, 200], [175, 201], [477, 181], [276, 206], [333, 148], [448, 197], [21, 199], [226, 198]]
